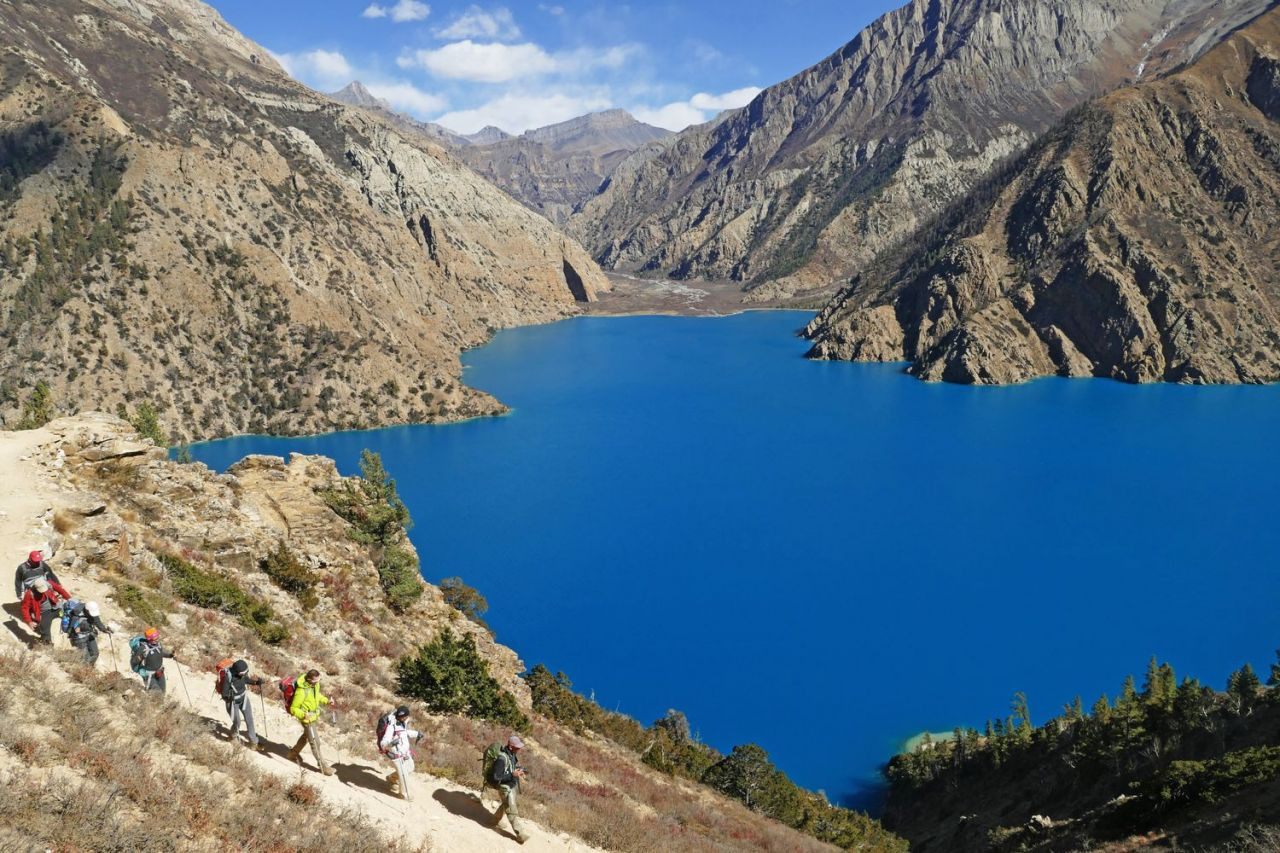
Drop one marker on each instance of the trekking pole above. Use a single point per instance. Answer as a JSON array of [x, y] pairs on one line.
[[115, 665], [263, 705], [178, 667]]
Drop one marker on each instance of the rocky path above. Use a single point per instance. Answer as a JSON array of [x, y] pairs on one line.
[[444, 816]]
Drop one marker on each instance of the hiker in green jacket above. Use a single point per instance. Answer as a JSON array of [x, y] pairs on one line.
[[506, 774], [306, 705]]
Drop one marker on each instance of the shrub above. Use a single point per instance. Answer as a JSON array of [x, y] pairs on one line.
[[371, 504], [206, 589], [288, 573], [146, 420], [134, 601], [38, 409], [465, 599], [399, 578], [449, 675]]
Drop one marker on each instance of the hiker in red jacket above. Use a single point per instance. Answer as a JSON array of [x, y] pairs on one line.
[[40, 603]]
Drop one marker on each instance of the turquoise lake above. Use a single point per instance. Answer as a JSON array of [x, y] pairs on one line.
[[827, 558]]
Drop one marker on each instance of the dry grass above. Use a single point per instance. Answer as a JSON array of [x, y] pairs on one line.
[[64, 521], [97, 774]]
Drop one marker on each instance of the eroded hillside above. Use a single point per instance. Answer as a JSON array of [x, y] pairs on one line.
[[1135, 241], [802, 188], [182, 223]]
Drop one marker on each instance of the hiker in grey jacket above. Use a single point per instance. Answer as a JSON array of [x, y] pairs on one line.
[[235, 693], [33, 569], [83, 628], [506, 775]]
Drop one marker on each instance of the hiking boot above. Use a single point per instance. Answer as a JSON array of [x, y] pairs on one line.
[[257, 747], [295, 757], [328, 771]]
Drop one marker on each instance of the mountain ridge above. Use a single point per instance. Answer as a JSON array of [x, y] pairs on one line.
[[300, 264], [1130, 242], [797, 190]]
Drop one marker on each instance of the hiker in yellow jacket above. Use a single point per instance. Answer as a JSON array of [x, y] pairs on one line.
[[306, 705]]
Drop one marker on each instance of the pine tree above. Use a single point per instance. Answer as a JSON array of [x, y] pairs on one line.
[[1274, 680], [1243, 687]]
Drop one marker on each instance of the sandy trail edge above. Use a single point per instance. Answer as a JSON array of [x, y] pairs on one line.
[[28, 496]]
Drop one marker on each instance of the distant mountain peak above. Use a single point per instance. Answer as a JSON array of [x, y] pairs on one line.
[[487, 135], [357, 95]]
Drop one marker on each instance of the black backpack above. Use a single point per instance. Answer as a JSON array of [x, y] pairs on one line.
[[385, 722]]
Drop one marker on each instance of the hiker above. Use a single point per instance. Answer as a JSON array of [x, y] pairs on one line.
[[41, 602], [81, 625], [394, 744], [235, 693], [506, 774], [147, 659], [305, 706], [35, 568]]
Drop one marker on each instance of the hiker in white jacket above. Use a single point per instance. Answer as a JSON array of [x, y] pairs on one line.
[[394, 744]]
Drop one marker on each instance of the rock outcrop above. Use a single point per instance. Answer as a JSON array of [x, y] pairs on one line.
[[555, 168], [1135, 241], [805, 186], [245, 254]]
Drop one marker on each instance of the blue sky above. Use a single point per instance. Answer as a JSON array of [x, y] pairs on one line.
[[528, 64]]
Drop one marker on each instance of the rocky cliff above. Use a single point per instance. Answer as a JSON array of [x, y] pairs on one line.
[[1136, 240], [356, 94], [555, 168], [807, 184], [240, 251]]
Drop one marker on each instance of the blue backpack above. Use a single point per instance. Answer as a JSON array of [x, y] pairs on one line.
[[72, 616]]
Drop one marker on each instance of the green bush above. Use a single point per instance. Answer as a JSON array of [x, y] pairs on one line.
[[288, 573], [450, 677], [134, 601], [206, 589], [1209, 782], [399, 577], [146, 420], [370, 504], [38, 409]]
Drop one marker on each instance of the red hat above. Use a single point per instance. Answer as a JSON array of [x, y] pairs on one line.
[[151, 634], [36, 556]]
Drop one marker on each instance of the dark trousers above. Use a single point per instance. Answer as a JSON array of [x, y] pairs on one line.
[[90, 647], [47, 615]]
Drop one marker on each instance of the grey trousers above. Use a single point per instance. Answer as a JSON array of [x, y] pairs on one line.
[[90, 647], [508, 807], [238, 707]]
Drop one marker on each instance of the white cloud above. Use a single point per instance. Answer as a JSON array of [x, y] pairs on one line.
[[477, 23], [493, 62], [405, 10], [516, 112], [551, 10], [481, 62], [727, 101], [703, 106], [321, 69], [408, 97]]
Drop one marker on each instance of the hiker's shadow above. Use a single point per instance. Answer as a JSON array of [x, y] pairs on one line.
[[361, 776], [466, 805], [14, 625]]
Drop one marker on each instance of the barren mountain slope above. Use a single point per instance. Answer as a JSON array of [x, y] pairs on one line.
[[1137, 240], [805, 185], [552, 169], [181, 222]]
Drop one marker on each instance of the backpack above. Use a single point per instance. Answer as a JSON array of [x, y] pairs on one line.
[[384, 722], [220, 670], [488, 760], [71, 620], [287, 686], [137, 653]]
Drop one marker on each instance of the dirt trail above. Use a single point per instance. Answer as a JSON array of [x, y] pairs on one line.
[[442, 813]]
